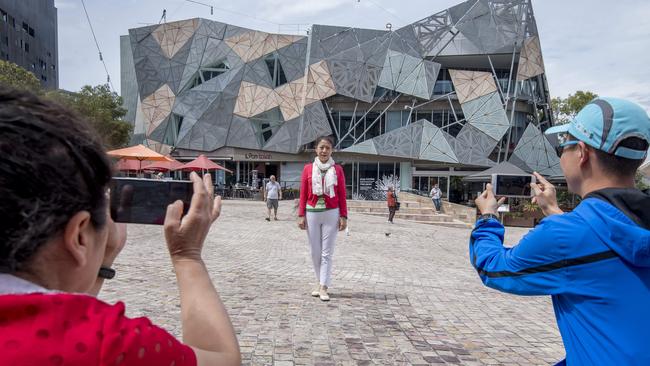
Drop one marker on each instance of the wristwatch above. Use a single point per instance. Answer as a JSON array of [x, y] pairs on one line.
[[488, 216], [106, 273]]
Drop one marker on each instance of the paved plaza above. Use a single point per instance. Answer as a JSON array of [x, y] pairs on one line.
[[401, 294]]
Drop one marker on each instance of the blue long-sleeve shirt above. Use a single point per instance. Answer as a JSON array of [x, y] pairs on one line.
[[595, 263]]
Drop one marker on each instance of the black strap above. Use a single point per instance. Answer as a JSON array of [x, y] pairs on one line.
[[106, 273], [591, 258]]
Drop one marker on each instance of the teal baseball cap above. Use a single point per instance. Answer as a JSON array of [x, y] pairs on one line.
[[605, 122]]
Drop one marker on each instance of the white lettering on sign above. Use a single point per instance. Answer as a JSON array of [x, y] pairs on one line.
[[258, 156]]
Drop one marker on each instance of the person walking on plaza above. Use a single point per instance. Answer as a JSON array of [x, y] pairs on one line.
[[391, 200], [436, 195], [59, 243], [322, 211], [272, 195], [595, 260]]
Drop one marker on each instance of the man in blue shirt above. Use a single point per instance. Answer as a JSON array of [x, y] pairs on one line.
[[595, 260]]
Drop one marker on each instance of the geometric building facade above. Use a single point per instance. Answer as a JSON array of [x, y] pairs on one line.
[[460, 90]]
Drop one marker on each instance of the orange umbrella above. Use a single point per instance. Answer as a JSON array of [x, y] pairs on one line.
[[203, 163], [126, 165], [164, 166], [138, 152]]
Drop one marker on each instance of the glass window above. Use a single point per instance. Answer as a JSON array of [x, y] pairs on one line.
[[393, 120], [406, 114], [267, 124], [422, 115], [373, 129], [345, 125], [275, 70], [366, 177]]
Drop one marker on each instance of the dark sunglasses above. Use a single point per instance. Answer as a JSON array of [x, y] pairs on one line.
[[560, 148]]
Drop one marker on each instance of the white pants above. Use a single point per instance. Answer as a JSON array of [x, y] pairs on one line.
[[322, 228]]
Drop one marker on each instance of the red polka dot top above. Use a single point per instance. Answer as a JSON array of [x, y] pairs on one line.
[[71, 329]]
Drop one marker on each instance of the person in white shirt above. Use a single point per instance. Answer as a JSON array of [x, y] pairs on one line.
[[272, 195], [436, 196]]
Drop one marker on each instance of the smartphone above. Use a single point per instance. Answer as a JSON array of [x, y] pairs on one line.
[[145, 201], [512, 185]]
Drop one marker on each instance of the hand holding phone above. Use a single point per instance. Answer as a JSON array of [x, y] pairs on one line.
[[185, 234], [512, 185], [486, 202], [544, 196], [145, 201]]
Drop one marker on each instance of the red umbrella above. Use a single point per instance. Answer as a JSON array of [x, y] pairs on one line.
[[164, 166], [202, 163]]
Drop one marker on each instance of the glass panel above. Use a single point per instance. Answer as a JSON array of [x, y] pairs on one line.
[[346, 123], [393, 120], [347, 170], [366, 178], [374, 129], [422, 115]]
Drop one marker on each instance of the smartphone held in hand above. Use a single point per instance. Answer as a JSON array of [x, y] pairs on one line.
[[512, 185], [145, 201]]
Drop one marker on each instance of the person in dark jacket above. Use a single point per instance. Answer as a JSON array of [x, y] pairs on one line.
[[595, 260]]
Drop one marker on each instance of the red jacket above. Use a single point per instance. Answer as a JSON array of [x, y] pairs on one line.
[[390, 197], [307, 197]]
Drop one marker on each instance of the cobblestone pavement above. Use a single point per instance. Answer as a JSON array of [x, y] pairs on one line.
[[410, 297]]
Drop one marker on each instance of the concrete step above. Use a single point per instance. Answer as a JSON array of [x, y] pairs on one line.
[[454, 224], [415, 217], [383, 204], [403, 210]]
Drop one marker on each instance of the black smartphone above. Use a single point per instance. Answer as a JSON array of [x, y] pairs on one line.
[[145, 201], [512, 185]]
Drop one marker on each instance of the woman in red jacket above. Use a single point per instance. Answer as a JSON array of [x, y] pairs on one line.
[[59, 242], [323, 211]]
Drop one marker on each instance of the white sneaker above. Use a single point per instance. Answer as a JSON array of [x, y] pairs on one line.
[[316, 291], [324, 296]]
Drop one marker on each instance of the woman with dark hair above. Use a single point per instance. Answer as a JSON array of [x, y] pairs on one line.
[[322, 211], [58, 243]]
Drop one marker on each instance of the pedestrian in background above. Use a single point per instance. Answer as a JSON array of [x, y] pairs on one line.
[[322, 211], [272, 196], [436, 196], [391, 200]]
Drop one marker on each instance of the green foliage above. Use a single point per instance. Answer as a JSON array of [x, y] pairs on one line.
[[103, 109], [565, 109], [16, 77], [529, 206], [638, 180]]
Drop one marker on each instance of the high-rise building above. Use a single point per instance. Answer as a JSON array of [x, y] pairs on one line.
[[456, 92], [28, 38]]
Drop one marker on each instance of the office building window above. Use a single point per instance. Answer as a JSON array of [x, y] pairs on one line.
[[31, 32], [4, 15], [26, 47]]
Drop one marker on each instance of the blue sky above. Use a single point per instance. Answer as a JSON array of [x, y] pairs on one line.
[[601, 46]]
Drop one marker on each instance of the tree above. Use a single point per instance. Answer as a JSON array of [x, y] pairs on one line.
[[565, 109], [103, 109], [639, 181], [15, 76]]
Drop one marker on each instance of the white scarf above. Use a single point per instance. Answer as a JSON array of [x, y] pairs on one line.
[[317, 179]]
